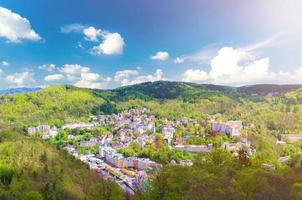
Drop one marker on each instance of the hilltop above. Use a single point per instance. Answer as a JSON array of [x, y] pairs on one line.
[[58, 104]]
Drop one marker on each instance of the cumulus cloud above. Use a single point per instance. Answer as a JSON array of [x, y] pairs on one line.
[[47, 67], [20, 79], [160, 55], [74, 69], [178, 60], [238, 67], [54, 77], [15, 28], [82, 76], [92, 80], [112, 44], [195, 75], [119, 75], [92, 34], [158, 75]]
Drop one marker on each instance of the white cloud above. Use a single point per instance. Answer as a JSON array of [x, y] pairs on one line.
[[15, 28], [47, 67], [92, 34], [54, 77], [179, 60], [20, 79], [158, 75], [237, 67], [4, 63], [195, 75], [73, 28], [78, 75], [160, 55], [119, 75], [74, 69], [205, 55], [112, 44], [92, 80]]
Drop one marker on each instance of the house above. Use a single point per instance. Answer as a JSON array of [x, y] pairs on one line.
[[168, 132], [41, 128], [232, 128], [90, 143]]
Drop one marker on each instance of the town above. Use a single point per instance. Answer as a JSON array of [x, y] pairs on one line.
[[103, 142]]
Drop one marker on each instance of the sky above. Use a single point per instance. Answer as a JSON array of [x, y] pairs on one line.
[[107, 44]]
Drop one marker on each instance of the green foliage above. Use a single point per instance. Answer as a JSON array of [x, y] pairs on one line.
[[54, 105], [219, 176], [159, 151], [32, 169], [6, 174], [33, 195]]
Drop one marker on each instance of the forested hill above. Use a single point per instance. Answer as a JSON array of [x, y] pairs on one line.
[[185, 90], [265, 89], [59, 104], [170, 90]]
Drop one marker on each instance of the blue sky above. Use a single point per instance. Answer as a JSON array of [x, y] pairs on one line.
[[106, 44]]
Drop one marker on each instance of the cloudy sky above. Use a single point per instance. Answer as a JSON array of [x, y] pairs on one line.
[[106, 44]]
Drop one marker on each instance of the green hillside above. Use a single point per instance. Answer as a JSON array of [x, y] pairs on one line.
[[54, 105], [169, 90], [31, 169]]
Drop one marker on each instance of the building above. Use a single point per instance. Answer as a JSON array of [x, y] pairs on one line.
[[195, 148], [186, 162], [90, 143], [235, 147], [232, 128], [78, 125], [118, 160], [39, 129], [168, 132]]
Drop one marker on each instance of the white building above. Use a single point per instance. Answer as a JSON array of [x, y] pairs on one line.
[[168, 132], [232, 128]]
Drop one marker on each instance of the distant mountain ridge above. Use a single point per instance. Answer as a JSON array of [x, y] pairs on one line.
[[19, 90], [268, 89], [173, 89]]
